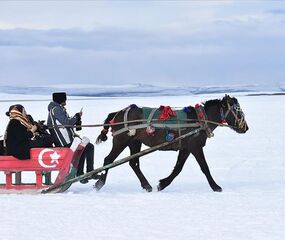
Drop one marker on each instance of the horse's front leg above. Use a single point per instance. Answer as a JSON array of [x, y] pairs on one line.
[[200, 157], [135, 147], [183, 155], [115, 152]]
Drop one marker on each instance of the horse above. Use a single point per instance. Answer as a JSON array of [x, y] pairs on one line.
[[209, 115]]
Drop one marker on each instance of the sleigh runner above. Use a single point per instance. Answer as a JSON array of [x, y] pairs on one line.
[[43, 162]]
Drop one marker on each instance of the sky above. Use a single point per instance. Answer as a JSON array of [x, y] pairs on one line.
[[166, 43]]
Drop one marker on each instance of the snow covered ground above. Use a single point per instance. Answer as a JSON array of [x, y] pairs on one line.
[[249, 167]]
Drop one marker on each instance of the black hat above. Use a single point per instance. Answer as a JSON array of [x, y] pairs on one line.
[[59, 97], [18, 107]]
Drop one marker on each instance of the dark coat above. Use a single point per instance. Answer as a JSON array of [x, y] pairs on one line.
[[58, 116], [2, 149], [18, 140]]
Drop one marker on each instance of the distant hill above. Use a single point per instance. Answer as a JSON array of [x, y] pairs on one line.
[[138, 90]]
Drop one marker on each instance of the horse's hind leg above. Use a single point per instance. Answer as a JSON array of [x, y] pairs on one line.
[[135, 147], [183, 155], [115, 152]]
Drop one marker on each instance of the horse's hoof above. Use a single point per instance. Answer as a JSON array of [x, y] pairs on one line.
[[160, 187], [98, 185], [163, 183], [218, 189], [149, 189]]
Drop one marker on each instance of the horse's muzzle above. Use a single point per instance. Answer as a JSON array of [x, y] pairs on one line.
[[242, 128]]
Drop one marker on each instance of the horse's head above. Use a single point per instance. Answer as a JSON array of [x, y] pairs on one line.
[[232, 113]]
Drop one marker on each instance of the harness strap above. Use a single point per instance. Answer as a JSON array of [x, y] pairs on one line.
[[201, 114], [208, 129], [150, 117], [179, 129], [126, 127], [126, 117], [157, 125]]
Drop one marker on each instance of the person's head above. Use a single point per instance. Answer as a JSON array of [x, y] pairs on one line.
[[59, 97], [18, 107]]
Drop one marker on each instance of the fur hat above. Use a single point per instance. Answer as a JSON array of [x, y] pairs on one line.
[[59, 97], [18, 107]]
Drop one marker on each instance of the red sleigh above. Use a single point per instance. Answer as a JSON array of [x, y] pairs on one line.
[[43, 162]]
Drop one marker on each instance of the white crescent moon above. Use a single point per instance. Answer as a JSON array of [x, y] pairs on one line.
[[40, 158]]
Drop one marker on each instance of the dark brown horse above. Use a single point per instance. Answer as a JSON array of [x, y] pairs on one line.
[[213, 113]]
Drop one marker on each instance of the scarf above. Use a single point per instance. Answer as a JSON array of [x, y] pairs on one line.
[[15, 114]]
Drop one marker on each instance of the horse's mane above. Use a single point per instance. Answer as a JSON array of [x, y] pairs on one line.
[[210, 103]]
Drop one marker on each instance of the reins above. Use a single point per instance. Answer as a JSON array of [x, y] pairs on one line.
[[135, 121], [202, 121]]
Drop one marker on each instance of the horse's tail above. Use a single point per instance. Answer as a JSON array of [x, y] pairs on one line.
[[103, 135]]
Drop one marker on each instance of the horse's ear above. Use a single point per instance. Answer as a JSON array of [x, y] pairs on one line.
[[228, 98], [225, 100]]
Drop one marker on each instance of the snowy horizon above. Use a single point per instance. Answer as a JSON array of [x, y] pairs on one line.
[[141, 90]]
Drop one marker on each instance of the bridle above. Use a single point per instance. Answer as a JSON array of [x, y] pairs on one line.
[[235, 110]]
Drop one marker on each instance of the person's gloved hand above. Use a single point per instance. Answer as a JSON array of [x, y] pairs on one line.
[[78, 116], [40, 125], [78, 122]]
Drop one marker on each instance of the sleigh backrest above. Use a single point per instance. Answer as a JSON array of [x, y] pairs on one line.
[[42, 159]]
